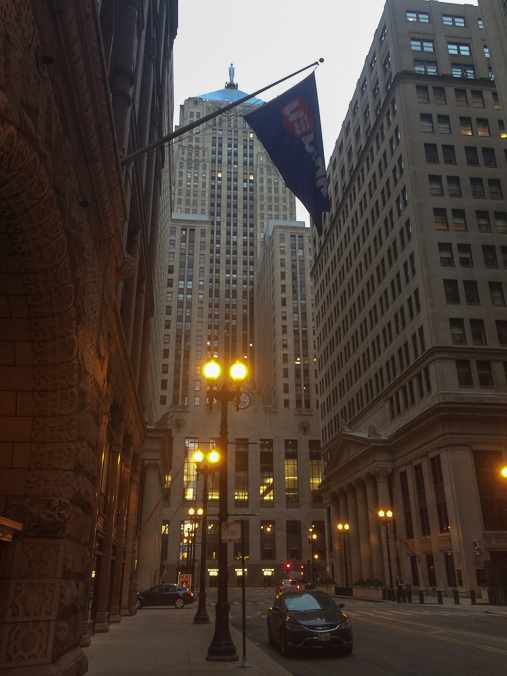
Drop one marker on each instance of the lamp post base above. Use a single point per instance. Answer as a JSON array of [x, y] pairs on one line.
[[201, 616], [222, 648]]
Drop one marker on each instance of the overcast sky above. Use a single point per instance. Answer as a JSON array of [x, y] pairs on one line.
[[269, 39]]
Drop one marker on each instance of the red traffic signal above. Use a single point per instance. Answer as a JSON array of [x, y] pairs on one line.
[[287, 566]]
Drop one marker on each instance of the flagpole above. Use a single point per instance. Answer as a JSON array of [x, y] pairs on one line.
[[196, 123]]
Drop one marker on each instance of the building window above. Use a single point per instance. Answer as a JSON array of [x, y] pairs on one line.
[[293, 530], [501, 221], [478, 332], [451, 291], [458, 48], [463, 70], [440, 218], [488, 157], [465, 124], [471, 292], [472, 156], [291, 472], [420, 45], [461, 97], [268, 540], [439, 488], [459, 220], [407, 510], [501, 329], [436, 187], [431, 152], [450, 20], [495, 189], [424, 521], [453, 186], [425, 67], [483, 221], [465, 255], [241, 473], [422, 94], [266, 472], [426, 122], [444, 124], [449, 154], [477, 186], [496, 293], [445, 253], [482, 127], [464, 373], [457, 327], [421, 17], [484, 374], [315, 471], [439, 96], [489, 254], [189, 469]]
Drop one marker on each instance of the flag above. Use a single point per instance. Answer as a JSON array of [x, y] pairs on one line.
[[289, 128]]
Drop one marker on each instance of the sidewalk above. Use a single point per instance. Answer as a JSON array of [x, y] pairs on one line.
[[164, 641], [160, 641]]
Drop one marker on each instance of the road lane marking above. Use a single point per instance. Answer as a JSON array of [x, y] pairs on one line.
[[437, 634]]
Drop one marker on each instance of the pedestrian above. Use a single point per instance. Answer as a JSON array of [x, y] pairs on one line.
[[408, 590], [399, 589]]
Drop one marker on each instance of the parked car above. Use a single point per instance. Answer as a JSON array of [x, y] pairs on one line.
[[308, 584], [165, 595], [308, 619], [288, 584]]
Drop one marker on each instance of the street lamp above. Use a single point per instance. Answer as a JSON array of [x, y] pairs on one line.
[[503, 472], [194, 517], [344, 528], [312, 537], [385, 518], [205, 466], [222, 648]]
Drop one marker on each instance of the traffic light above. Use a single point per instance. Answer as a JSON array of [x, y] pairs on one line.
[[287, 566]]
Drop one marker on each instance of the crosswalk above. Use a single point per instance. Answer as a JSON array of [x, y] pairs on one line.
[[260, 605]]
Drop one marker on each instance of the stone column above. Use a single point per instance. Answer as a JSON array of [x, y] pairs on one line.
[[112, 485], [150, 529], [121, 525], [128, 594], [343, 517], [353, 537], [384, 502], [364, 530], [374, 527], [334, 521]]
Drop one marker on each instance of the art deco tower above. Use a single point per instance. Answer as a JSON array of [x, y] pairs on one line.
[[238, 285]]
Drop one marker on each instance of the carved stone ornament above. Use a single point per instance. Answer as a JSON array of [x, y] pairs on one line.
[[178, 424], [304, 427], [127, 268]]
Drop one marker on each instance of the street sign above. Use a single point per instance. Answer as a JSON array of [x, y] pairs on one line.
[[231, 531]]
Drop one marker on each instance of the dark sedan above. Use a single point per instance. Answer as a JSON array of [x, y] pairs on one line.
[[165, 595], [308, 619]]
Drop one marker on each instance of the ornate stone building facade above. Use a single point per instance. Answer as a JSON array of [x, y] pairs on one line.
[[411, 308], [78, 258]]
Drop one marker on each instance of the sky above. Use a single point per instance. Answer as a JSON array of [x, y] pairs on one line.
[[267, 40]]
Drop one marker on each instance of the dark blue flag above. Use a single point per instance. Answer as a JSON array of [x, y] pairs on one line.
[[289, 128]]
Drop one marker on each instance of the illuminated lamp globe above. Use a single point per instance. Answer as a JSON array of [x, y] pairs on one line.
[[211, 370], [238, 371]]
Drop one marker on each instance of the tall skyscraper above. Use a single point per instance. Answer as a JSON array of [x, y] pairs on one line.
[[238, 286], [410, 283]]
